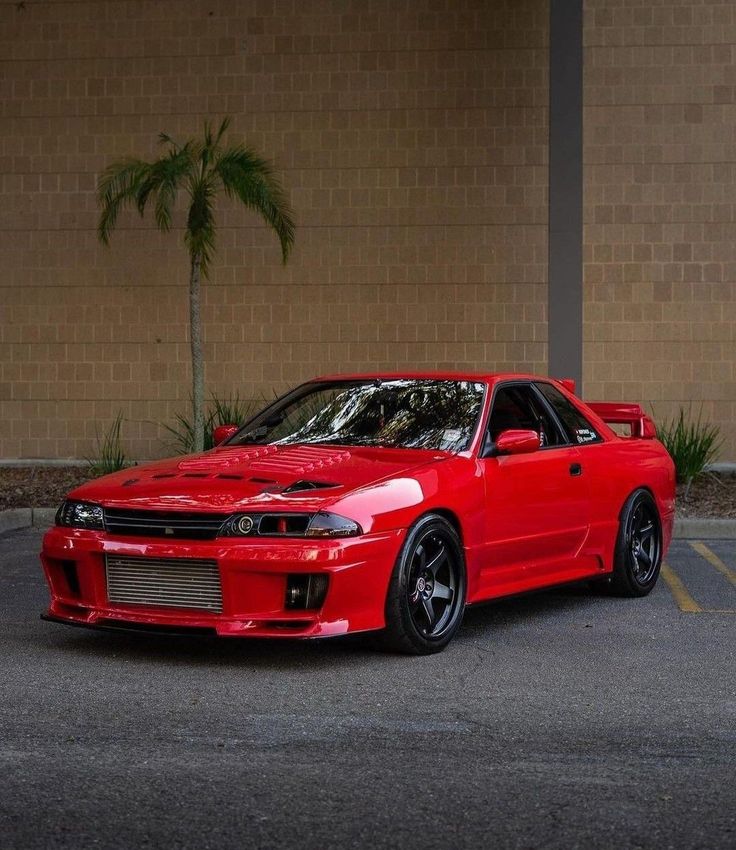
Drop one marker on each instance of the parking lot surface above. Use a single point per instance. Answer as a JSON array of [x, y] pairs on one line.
[[563, 719]]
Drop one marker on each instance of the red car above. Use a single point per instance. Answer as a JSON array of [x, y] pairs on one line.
[[370, 502]]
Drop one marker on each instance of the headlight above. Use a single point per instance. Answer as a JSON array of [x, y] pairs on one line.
[[332, 525], [81, 515], [289, 525]]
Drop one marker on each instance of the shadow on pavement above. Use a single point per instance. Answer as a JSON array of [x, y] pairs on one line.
[[483, 621]]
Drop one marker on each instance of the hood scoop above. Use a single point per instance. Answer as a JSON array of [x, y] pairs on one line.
[[304, 486]]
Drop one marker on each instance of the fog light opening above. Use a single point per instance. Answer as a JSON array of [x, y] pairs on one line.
[[305, 591], [72, 579]]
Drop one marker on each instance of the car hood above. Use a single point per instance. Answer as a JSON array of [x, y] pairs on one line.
[[300, 477]]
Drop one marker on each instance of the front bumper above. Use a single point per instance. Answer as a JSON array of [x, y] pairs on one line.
[[253, 576]]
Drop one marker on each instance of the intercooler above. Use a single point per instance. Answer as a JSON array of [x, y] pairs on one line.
[[164, 582]]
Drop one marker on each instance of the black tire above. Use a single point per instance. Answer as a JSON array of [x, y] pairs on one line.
[[426, 594], [638, 554]]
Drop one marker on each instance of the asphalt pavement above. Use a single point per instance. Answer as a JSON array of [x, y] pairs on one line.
[[563, 719]]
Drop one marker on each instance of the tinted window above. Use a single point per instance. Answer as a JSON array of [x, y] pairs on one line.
[[579, 430], [520, 407]]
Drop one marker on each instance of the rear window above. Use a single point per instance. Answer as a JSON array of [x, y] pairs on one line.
[[578, 429]]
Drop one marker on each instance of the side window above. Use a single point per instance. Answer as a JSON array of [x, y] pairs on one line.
[[580, 431], [518, 406]]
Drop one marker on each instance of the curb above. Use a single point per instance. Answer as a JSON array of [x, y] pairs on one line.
[[17, 518], [686, 528]]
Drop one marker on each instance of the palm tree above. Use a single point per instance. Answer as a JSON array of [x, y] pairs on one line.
[[200, 169]]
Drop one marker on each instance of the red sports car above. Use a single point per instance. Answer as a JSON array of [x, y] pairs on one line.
[[370, 502]]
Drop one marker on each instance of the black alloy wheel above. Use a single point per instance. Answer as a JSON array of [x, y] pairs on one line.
[[426, 597], [638, 555]]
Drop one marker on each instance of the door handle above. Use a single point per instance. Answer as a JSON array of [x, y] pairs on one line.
[[576, 469]]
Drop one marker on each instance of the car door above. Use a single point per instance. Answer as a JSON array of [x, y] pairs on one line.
[[536, 504]]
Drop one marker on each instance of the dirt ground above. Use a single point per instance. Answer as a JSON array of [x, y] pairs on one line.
[[713, 495]]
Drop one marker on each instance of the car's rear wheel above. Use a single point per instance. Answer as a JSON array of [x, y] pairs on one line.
[[426, 595], [638, 553]]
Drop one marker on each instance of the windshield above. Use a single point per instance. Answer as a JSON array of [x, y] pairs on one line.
[[405, 413]]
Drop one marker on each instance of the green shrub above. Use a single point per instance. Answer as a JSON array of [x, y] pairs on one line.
[[109, 456], [692, 444], [231, 410]]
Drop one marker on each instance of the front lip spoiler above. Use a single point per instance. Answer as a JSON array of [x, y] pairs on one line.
[[135, 628]]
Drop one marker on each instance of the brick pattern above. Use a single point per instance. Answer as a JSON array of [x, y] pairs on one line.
[[660, 215], [411, 134]]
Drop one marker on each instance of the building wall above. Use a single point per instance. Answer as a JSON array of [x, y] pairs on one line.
[[411, 135], [660, 209]]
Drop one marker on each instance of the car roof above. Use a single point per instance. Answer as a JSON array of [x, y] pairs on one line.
[[485, 377]]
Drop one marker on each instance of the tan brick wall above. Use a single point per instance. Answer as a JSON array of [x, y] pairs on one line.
[[411, 135], [660, 190]]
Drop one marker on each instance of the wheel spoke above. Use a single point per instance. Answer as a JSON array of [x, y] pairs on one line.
[[421, 554], [429, 611], [644, 557], [647, 536], [437, 561], [442, 591]]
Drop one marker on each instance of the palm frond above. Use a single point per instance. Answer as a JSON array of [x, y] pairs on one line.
[[134, 181], [165, 176], [244, 175], [172, 170], [166, 139], [118, 185], [223, 127]]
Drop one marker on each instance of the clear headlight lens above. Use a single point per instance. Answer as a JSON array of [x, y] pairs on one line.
[[81, 515], [289, 525]]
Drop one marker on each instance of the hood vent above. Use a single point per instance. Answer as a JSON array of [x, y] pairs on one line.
[[299, 460], [302, 486], [224, 457]]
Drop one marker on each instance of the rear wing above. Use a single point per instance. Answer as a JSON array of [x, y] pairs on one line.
[[630, 415]]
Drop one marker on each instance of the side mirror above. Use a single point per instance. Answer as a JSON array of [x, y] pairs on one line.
[[517, 442], [223, 432]]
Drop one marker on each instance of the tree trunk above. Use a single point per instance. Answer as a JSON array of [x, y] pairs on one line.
[[195, 337]]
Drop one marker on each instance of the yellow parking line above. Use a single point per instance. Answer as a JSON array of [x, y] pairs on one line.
[[714, 561], [685, 602]]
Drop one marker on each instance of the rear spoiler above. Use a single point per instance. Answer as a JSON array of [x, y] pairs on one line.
[[617, 413]]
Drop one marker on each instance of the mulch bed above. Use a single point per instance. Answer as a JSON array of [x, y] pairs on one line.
[[38, 486], [713, 495]]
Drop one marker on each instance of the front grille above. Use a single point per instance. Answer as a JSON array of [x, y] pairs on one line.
[[171, 524], [168, 582]]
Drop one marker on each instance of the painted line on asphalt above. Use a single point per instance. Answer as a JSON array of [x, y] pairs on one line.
[[684, 601], [714, 560]]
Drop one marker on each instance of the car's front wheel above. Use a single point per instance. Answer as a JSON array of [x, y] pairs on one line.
[[638, 554], [426, 595]]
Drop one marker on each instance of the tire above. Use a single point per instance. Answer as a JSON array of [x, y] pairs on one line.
[[638, 554], [426, 594]]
